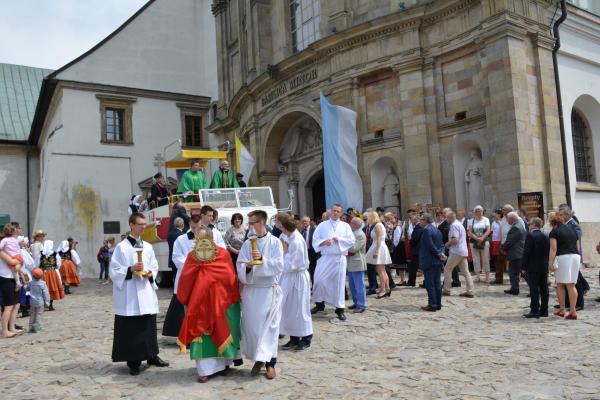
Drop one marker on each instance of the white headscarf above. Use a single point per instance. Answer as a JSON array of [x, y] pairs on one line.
[[64, 246], [48, 248]]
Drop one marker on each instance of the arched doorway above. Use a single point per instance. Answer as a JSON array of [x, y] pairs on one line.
[[315, 191], [293, 160]]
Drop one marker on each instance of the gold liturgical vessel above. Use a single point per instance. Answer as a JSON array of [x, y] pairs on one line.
[[253, 239], [139, 249]]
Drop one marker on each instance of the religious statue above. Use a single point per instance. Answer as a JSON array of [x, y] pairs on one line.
[[391, 189], [474, 180]]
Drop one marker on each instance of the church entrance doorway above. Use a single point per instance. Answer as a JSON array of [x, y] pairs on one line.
[[316, 186]]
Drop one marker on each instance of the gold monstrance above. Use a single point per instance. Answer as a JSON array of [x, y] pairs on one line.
[[253, 239], [139, 249]]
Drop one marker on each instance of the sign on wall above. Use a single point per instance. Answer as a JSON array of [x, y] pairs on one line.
[[112, 227], [533, 203]]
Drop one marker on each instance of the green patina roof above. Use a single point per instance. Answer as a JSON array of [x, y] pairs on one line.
[[19, 91]]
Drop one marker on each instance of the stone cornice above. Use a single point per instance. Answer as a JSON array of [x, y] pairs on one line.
[[125, 91], [447, 11]]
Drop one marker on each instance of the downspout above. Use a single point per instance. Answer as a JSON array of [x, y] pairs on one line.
[[28, 157], [563, 140]]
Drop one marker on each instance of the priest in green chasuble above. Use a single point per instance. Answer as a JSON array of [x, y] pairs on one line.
[[191, 182], [223, 177], [208, 287]]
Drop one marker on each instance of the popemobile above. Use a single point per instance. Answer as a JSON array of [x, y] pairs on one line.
[[226, 201]]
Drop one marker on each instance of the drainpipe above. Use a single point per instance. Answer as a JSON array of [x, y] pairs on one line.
[[27, 158], [563, 141]]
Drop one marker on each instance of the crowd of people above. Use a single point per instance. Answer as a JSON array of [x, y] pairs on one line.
[[33, 276], [235, 295]]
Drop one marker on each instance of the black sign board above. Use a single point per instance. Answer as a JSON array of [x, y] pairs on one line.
[[112, 227]]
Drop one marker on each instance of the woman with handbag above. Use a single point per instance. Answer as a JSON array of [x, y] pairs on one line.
[[479, 230]]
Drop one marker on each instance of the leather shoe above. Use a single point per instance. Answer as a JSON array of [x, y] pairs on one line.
[[341, 315], [256, 368], [271, 374], [468, 295], [455, 284], [359, 311], [202, 379], [512, 292], [428, 308], [316, 309], [531, 315], [134, 371], [371, 292], [289, 345], [302, 346], [158, 362], [352, 307], [544, 314]]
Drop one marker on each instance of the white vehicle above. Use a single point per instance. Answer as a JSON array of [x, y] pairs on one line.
[[226, 201]]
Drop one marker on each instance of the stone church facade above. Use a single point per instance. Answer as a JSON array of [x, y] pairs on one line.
[[456, 99]]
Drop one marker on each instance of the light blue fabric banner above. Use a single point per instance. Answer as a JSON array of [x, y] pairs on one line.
[[343, 184]]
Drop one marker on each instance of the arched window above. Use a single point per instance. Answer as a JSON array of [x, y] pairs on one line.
[[583, 148], [306, 16]]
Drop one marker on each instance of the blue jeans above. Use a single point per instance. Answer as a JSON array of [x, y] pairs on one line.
[[433, 284], [104, 269], [356, 281]]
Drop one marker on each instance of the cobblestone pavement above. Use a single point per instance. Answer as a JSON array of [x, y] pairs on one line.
[[477, 348]]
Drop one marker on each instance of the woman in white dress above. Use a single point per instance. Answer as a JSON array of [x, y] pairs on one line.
[[378, 254]]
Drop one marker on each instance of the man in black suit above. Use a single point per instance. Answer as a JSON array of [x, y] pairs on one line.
[[179, 211], [513, 248], [415, 240], [307, 232], [535, 263], [444, 227], [371, 274], [431, 259]]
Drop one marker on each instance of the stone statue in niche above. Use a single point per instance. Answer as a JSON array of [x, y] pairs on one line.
[[391, 190], [474, 180]]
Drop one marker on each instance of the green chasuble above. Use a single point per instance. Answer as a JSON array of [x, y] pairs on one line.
[[192, 182], [204, 347], [217, 180]]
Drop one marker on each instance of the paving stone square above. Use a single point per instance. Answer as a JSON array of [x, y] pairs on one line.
[[477, 348]]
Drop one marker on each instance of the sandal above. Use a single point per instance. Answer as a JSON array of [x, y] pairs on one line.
[[202, 379], [559, 314], [571, 316]]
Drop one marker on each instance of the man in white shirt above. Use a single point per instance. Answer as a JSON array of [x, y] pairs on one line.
[[135, 301], [332, 238], [457, 255], [207, 216], [501, 258]]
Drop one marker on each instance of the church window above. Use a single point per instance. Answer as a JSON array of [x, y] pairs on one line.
[[114, 124], [193, 131], [115, 119], [583, 148], [305, 19]]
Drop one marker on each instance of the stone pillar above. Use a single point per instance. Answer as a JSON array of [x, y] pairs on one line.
[[555, 190], [499, 101], [412, 110], [218, 9]]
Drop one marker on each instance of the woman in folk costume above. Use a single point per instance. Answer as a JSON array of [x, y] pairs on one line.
[[208, 287], [68, 269], [49, 263], [296, 320]]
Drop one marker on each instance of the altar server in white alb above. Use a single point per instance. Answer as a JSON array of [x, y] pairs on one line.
[[332, 239], [181, 248], [296, 321], [259, 271], [135, 302]]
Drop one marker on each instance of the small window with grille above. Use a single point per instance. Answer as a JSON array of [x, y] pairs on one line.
[[582, 145]]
